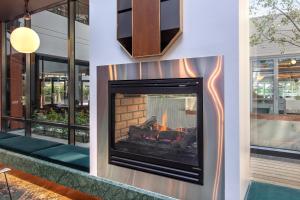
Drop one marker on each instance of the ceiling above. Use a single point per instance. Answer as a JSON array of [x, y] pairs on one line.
[[12, 9], [84, 2]]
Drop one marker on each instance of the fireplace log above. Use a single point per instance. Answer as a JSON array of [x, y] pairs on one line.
[[149, 132], [139, 133], [170, 135], [149, 123]]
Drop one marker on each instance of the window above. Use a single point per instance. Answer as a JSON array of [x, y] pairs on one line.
[[275, 64], [82, 74], [15, 78], [40, 102], [50, 102], [82, 95]]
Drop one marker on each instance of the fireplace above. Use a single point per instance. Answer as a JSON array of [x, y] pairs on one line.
[[156, 126]]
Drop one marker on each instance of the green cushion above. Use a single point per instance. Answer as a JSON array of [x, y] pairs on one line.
[[4, 135], [26, 145], [263, 191], [68, 155]]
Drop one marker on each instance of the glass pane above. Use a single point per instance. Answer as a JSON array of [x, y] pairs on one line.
[[157, 125], [82, 72], [289, 85], [51, 97], [14, 127], [82, 95], [52, 28], [279, 128], [275, 55], [262, 86], [50, 133], [82, 11], [82, 138], [50, 74], [16, 74]]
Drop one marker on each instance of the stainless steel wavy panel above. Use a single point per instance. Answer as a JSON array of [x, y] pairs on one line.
[[211, 69]]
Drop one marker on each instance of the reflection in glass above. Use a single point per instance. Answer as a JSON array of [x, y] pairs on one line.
[[82, 11], [276, 103], [16, 68], [275, 63], [49, 133], [262, 86], [14, 127], [82, 95], [82, 138], [51, 98], [289, 85]]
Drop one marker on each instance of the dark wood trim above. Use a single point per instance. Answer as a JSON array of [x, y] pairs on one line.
[[3, 72], [60, 59], [71, 63], [269, 151], [28, 63], [276, 117]]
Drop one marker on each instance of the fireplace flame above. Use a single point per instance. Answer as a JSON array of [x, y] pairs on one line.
[[164, 122]]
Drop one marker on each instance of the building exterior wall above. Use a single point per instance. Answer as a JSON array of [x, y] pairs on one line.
[[16, 88], [54, 35]]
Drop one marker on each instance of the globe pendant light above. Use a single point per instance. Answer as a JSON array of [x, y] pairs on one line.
[[24, 39]]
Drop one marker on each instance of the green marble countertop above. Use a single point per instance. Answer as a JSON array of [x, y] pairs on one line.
[[78, 180]]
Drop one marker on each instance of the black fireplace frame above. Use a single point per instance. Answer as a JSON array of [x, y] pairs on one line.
[[167, 168]]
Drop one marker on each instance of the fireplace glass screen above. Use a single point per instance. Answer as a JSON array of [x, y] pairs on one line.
[[156, 126]]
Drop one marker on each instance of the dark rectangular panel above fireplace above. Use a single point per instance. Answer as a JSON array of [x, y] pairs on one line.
[[156, 126]]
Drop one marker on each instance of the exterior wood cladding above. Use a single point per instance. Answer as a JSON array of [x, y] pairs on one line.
[[146, 29]]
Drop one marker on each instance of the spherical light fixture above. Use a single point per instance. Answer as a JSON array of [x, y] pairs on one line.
[[25, 40], [260, 77], [293, 61]]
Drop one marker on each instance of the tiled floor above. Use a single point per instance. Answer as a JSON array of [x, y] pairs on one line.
[[27, 187]]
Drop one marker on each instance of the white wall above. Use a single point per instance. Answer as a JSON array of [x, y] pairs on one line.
[[210, 28]]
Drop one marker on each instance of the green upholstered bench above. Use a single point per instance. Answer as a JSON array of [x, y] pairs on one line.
[[67, 155], [26, 145], [4, 135], [264, 191]]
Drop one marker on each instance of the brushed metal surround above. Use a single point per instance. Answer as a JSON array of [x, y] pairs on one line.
[[211, 69]]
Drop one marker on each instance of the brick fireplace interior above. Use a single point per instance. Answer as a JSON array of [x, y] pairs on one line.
[[130, 110]]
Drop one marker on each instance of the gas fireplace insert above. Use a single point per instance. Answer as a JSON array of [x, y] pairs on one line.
[[156, 126]]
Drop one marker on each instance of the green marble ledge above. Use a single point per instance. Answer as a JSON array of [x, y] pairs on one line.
[[100, 187]]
